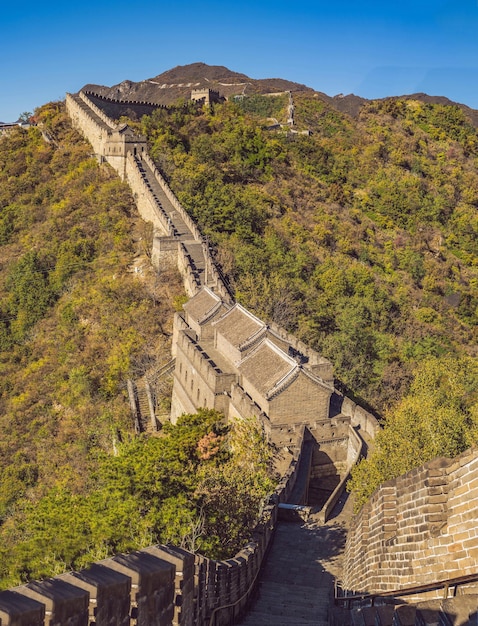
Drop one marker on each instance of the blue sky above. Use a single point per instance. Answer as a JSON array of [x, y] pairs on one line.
[[370, 48]]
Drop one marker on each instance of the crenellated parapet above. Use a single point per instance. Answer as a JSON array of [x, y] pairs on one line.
[[115, 108], [418, 528], [156, 586]]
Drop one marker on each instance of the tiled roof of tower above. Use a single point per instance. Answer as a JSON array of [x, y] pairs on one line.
[[266, 367], [238, 325], [202, 305]]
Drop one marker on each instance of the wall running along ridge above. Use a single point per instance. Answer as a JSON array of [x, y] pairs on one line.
[[418, 528]]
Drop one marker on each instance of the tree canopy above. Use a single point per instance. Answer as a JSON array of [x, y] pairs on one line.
[[437, 417], [199, 485], [360, 238]]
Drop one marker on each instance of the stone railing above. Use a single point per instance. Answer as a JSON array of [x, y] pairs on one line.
[[416, 529], [158, 585]]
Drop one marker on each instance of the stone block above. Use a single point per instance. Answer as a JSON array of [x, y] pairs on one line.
[[152, 585], [109, 592], [64, 603], [470, 516], [19, 610], [438, 499], [461, 490]]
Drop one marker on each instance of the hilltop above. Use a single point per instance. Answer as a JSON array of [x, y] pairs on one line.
[[178, 82]]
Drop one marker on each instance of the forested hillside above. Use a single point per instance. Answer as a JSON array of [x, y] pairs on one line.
[[77, 320], [360, 238]]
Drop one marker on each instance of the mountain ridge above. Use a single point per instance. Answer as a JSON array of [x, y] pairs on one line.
[[177, 82]]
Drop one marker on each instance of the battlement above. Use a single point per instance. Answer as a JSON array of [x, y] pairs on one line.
[[418, 528], [116, 108], [160, 584]]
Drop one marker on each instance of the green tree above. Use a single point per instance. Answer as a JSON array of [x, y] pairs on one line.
[[438, 417]]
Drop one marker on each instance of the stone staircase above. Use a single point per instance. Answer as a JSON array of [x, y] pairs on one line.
[[296, 583], [193, 247], [143, 401], [147, 423], [461, 610]]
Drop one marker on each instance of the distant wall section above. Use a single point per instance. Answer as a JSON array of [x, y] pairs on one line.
[[115, 109]]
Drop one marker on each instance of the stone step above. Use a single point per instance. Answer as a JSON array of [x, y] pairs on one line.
[[461, 610], [298, 607], [258, 618], [284, 591]]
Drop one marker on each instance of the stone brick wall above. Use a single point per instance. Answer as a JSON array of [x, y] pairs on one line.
[[198, 382], [360, 418], [148, 207], [85, 122], [421, 527], [116, 108], [294, 403], [88, 115]]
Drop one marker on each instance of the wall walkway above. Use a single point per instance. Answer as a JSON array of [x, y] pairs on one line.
[[296, 584]]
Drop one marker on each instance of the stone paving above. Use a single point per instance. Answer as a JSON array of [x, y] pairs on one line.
[[296, 583]]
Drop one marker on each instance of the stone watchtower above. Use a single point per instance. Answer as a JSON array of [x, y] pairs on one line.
[[230, 360], [207, 96], [111, 142]]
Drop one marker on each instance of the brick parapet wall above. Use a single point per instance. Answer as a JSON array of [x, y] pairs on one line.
[[362, 419], [156, 586], [194, 356], [419, 528], [109, 122], [318, 364], [116, 108], [83, 121], [190, 223], [148, 206]]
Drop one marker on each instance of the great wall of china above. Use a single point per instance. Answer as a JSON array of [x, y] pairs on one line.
[[419, 528]]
